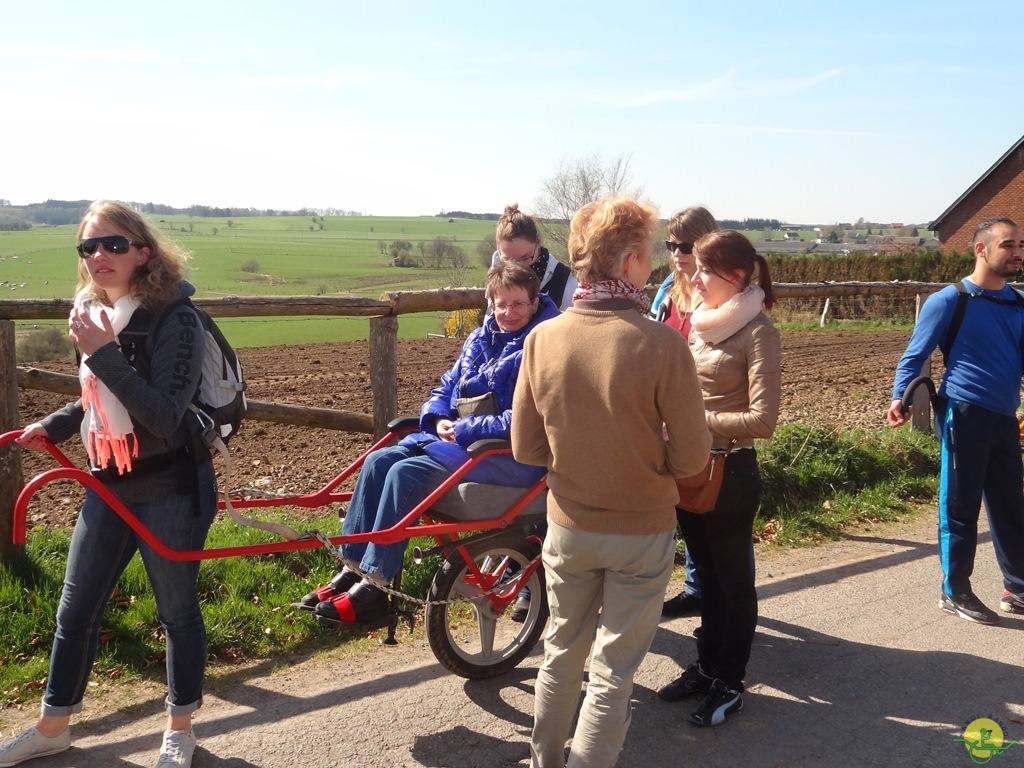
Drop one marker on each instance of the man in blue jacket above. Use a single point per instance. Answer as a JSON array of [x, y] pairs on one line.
[[976, 418]]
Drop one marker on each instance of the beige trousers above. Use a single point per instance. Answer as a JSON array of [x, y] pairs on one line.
[[605, 593]]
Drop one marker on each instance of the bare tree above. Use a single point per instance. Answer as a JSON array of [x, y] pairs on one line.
[[579, 181], [440, 251], [485, 250], [455, 267]]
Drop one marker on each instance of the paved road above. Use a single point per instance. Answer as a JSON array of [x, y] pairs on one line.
[[853, 665]]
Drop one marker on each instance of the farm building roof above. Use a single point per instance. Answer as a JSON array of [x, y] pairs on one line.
[[934, 226]]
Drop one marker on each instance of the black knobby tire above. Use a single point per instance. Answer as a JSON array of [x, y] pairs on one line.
[[470, 638]]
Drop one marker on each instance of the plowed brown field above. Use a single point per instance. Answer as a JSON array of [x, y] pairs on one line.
[[842, 378]]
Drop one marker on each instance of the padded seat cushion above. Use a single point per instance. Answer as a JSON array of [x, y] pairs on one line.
[[468, 502]]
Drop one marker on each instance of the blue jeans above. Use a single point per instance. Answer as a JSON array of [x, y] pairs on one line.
[[391, 483], [102, 545], [692, 584]]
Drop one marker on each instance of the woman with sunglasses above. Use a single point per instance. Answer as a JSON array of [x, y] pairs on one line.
[[137, 427], [518, 240], [472, 402], [599, 388], [673, 304], [739, 363]]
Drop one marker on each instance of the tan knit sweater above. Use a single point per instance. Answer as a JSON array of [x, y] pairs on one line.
[[596, 385]]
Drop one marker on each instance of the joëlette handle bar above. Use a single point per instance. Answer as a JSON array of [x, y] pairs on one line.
[[908, 394], [405, 528]]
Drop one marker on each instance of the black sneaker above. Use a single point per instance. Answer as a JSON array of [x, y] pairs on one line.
[[520, 609], [719, 702], [340, 584], [683, 604], [692, 682], [968, 606], [1012, 603], [364, 603]]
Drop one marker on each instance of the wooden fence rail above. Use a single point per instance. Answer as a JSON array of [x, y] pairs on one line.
[[383, 335]]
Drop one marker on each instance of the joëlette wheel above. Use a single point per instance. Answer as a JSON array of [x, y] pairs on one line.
[[473, 639]]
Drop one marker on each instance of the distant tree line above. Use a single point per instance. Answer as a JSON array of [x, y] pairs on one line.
[[55, 213], [468, 215], [748, 224]]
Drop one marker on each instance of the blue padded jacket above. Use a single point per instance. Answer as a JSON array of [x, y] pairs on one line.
[[489, 361]]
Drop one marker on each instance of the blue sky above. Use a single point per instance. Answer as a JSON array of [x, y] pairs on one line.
[[808, 112]]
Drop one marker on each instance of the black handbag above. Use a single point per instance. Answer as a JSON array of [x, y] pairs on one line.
[[481, 405]]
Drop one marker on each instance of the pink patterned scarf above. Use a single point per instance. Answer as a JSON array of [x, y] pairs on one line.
[[110, 438], [614, 289]]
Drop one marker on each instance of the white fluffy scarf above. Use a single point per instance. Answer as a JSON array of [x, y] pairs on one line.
[[714, 325], [110, 437]]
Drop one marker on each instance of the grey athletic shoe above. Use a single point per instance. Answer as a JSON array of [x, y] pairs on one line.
[[1011, 603], [177, 749], [967, 606], [32, 743]]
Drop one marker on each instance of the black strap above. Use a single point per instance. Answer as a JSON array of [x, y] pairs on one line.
[[955, 322], [555, 288], [962, 295], [144, 466]]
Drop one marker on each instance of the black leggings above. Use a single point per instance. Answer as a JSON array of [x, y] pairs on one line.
[[719, 543]]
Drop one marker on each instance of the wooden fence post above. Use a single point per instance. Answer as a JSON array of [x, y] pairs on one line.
[[384, 371], [10, 455], [921, 418]]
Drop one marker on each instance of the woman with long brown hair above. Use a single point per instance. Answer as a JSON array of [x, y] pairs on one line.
[[738, 356]]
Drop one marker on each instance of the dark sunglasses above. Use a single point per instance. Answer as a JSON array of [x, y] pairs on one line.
[[111, 244], [686, 248]]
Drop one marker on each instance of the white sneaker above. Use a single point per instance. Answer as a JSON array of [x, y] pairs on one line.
[[177, 749], [32, 743]]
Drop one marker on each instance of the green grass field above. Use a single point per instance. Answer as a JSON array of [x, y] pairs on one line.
[[294, 256], [349, 256]]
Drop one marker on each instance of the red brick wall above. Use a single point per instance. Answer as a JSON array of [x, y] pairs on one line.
[[1001, 194]]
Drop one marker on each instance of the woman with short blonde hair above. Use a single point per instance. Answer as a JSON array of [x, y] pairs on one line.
[[608, 403]]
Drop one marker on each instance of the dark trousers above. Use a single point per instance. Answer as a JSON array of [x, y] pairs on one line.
[[980, 459], [719, 543]]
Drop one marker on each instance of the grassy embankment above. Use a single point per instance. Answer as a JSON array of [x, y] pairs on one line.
[[819, 481]]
